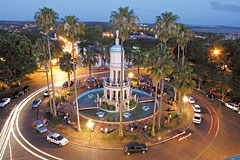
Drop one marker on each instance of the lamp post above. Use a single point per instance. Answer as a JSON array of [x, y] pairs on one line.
[[90, 126]]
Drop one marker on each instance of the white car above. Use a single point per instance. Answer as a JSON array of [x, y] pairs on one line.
[[196, 108], [4, 102], [232, 106], [57, 139], [45, 94], [197, 118], [191, 100]]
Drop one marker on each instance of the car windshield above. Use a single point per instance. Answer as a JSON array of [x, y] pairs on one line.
[[35, 101], [2, 101], [59, 138], [197, 107], [197, 118]]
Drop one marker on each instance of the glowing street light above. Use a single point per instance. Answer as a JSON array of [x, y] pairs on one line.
[[58, 85], [185, 99], [90, 126], [130, 75], [216, 52]]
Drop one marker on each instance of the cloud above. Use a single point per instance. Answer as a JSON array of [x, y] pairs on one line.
[[234, 8]]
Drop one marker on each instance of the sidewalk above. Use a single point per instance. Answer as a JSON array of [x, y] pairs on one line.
[[82, 138]]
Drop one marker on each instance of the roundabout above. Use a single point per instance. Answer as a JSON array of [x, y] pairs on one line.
[[91, 110]]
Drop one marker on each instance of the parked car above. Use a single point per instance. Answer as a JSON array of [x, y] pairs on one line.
[[196, 108], [4, 102], [191, 100], [45, 94], [238, 110], [232, 106], [17, 94], [39, 126], [167, 79], [26, 88], [65, 84], [57, 139], [197, 118], [36, 103], [93, 79], [212, 96], [134, 147]]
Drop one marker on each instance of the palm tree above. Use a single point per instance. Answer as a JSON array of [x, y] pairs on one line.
[[71, 30], [165, 66], [89, 59], [155, 75], [66, 65], [183, 82], [41, 49], [164, 26], [123, 20], [184, 36], [46, 20]]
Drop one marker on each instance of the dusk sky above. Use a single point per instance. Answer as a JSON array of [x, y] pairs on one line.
[[192, 12]]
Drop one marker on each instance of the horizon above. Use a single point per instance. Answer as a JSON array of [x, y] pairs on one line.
[[205, 12]]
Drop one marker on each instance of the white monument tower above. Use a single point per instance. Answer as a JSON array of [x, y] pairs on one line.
[[112, 84]]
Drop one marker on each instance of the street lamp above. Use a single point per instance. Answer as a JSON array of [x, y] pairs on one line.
[[216, 51], [130, 75], [58, 85], [90, 126]]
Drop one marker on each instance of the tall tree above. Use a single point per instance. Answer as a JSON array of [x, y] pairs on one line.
[[164, 27], [66, 65], [46, 18], [123, 20], [71, 29], [16, 59], [42, 50], [183, 82], [89, 59]]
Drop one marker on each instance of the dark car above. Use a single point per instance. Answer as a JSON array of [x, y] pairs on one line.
[[212, 96], [134, 147], [65, 84], [26, 88], [17, 94]]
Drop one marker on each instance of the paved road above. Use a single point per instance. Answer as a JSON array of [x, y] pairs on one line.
[[216, 138]]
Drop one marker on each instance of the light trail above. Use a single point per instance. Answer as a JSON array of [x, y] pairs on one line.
[[216, 133], [7, 129]]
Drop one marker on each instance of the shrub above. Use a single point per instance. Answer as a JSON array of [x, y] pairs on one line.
[[104, 105], [132, 103], [111, 107]]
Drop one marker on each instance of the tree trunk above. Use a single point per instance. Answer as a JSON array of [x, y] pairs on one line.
[[165, 48], [121, 92], [49, 95], [183, 57], [178, 55], [69, 81], [179, 103], [154, 111], [89, 67], [75, 87], [53, 89], [160, 107], [175, 94], [199, 85], [138, 74]]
